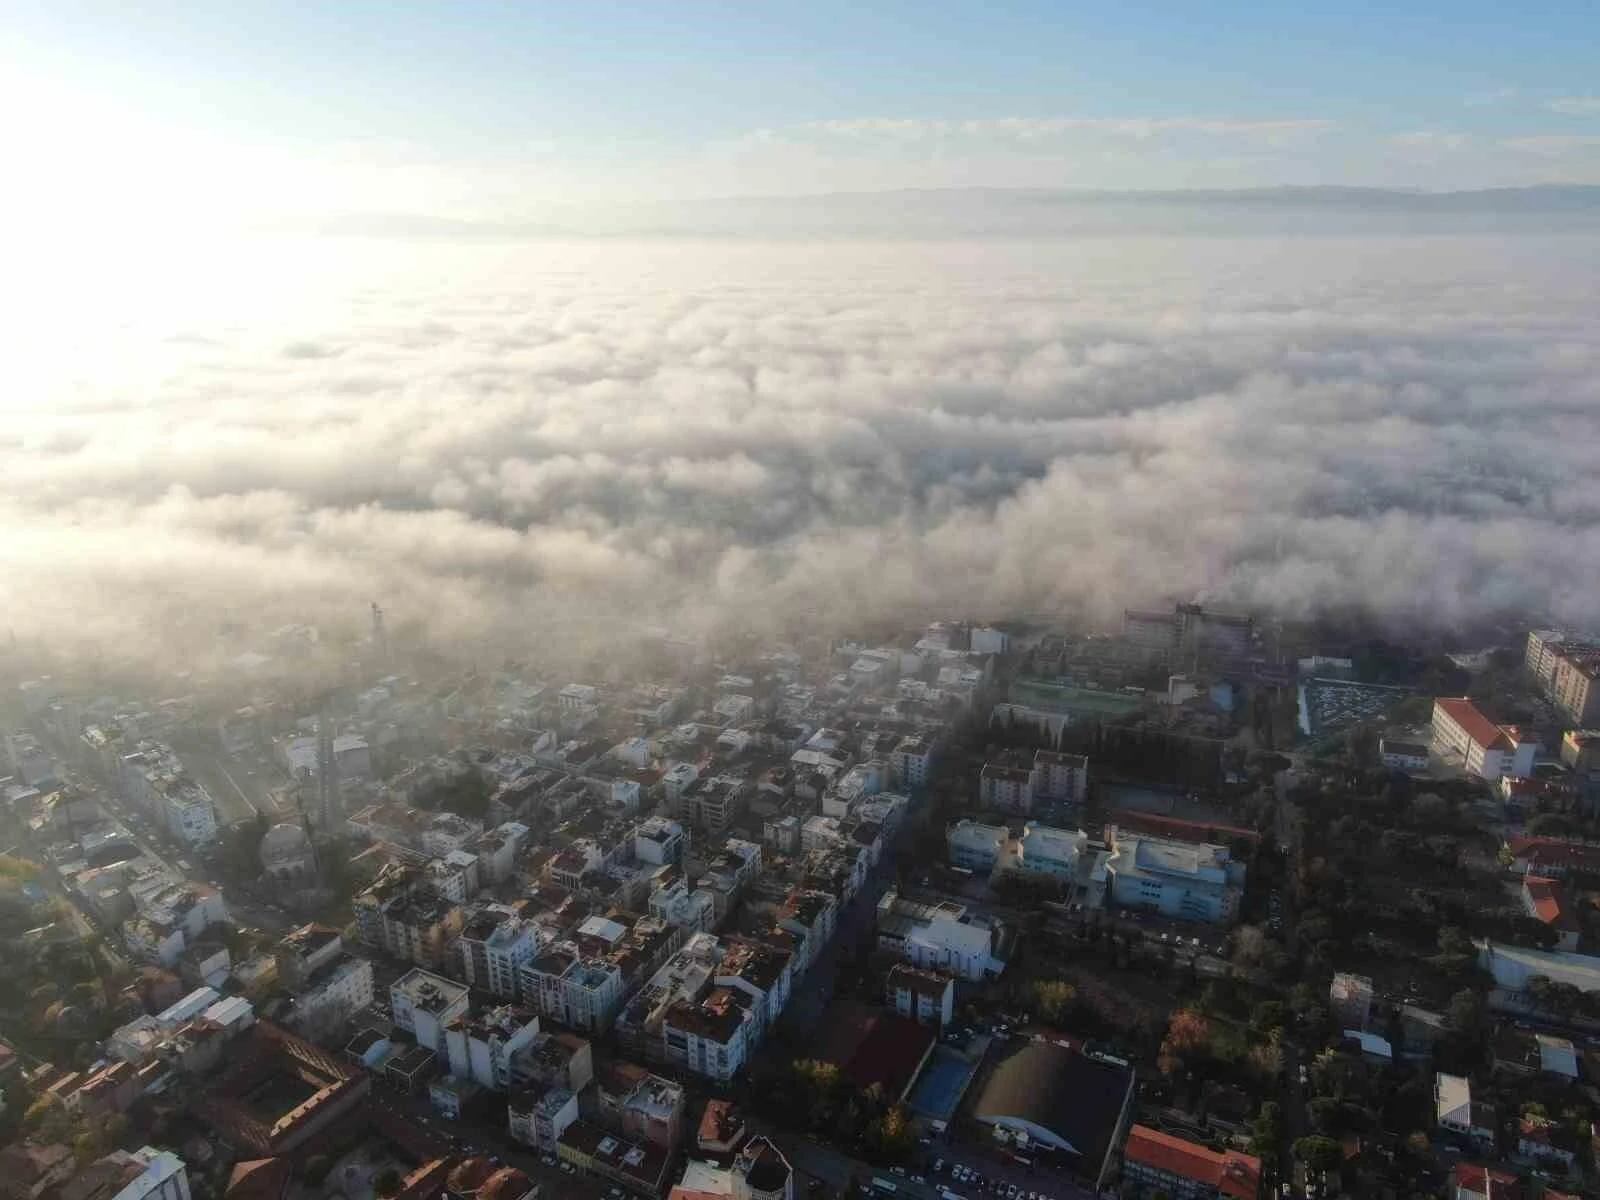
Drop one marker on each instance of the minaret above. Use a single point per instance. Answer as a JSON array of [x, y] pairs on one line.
[[330, 805], [380, 639]]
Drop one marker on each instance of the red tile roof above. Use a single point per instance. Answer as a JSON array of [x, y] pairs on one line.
[[1546, 852], [1237, 1176], [1549, 902], [1477, 1179], [1477, 726]]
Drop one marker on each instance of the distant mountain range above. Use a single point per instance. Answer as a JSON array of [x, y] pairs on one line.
[[1022, 212]]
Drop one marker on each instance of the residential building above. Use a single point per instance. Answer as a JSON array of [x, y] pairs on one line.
[[638, 1104], [1061, 776], [674, 903], [1475, 1181], [1462, 734], [1189, 881], [483, 1048], [927, 997], [1350, 1001], [1540, 653], [762, 971], [304, 951], [1575, 684], [1457, 1112], [714, 1036], [1399, 754], [539, 1117], [573, 989], [406, 919], [659, 841], [1545, 901], [911, 761], [493, 947], [1005, 789], [810, 915], [641, 1169], [1160, 1163], [974, 846], [425, 1004], [336, 990], [936, 935], [722, 1130], [145, 1174]]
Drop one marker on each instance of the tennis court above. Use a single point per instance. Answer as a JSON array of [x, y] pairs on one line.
[[944, 1079]]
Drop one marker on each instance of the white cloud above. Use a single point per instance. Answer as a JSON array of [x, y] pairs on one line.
[[536, 445], [1576, 105], [1555, 145]]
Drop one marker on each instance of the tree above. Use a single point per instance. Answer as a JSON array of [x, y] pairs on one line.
[[1187, 1034], [387, 1182], [1318, 1152], [1053, 1000], [1466, 1013]]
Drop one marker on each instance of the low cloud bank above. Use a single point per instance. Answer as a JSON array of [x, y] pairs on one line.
[[532, 443]]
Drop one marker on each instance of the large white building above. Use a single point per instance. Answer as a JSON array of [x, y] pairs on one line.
[[331, 995], [936, 936], [1177, 879], [1050, 852], [1463, 734], [424, 1004], [658, 841], [675, 904], [974, 846]]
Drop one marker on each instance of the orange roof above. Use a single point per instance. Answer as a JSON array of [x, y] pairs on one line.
[[1553, 852], [1549, 905], [1476, 726], [1237, 1176]]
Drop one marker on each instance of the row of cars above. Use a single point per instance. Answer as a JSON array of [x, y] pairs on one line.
[[976, 1181]]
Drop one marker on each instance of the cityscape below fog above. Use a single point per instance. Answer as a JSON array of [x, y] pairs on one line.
[[1216, 901]]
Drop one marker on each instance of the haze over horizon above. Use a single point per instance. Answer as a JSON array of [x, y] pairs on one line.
[[932, 317]]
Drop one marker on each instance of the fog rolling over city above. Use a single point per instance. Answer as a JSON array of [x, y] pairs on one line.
[[541, 442]]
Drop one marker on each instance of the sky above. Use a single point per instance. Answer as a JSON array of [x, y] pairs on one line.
[[198, 114]]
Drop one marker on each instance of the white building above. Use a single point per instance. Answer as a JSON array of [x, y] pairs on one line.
[[188, 812], [975, 847], [762, 972], [493, 947], [162, 1175], [658, 841], [927, 997], [1399, 754], [1061, 776], [1463, 734], [1457, 1112], [332, 995], [424, 1004], [482, 1048], [675, 904], [712, 1037], [936, 936], [1177, 879], [569, 988], [1045, 851]]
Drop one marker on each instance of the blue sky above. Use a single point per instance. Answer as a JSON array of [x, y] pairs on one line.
[[494, 110]]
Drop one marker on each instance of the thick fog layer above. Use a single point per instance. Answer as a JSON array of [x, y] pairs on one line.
[[547, 440]]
